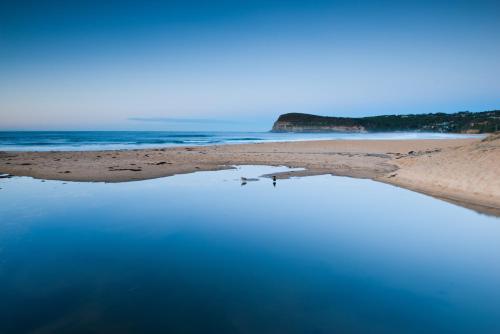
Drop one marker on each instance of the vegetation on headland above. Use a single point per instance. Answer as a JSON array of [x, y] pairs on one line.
[[460, 122]]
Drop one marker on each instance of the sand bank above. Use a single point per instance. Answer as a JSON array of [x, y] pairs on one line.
[[465, 171]]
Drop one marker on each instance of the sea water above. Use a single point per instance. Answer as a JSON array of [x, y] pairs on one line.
[[108, 140]]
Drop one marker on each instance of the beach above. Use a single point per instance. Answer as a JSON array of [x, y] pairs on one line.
[[463, 171]]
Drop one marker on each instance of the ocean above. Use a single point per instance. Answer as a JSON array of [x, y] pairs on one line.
[[112, 140]]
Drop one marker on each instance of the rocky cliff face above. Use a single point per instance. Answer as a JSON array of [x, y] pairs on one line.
[[284, 126]]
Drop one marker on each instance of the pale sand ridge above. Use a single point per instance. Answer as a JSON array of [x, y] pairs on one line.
[[465, 171]]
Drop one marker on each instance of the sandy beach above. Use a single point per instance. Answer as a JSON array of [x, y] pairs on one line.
[[463, 171]]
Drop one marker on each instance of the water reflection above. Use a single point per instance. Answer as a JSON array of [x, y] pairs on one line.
[[194, 254]]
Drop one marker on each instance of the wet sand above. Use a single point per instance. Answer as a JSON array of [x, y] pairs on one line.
[[463, 171]]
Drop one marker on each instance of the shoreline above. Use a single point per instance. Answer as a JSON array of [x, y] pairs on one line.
[[462, 171]]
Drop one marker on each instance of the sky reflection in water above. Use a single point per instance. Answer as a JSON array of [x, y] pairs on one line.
[[199, 253]]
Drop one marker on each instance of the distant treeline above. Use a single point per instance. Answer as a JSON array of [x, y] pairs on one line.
[[460, 122]]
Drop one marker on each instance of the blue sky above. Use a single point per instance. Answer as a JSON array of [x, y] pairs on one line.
[[237, 65]]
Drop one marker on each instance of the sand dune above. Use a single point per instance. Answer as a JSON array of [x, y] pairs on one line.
[[466, 173]]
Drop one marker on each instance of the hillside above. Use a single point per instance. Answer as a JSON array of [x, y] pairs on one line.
[[460, 122]]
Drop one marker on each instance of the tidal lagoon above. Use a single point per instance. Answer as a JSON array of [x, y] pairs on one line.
[[204, 253]]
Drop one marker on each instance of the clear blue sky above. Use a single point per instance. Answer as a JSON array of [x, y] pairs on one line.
[[237, 65]]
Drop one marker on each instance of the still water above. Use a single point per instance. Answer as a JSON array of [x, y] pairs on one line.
[[200, 253]]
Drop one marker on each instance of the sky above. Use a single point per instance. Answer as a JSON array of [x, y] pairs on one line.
[[237, 65]]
